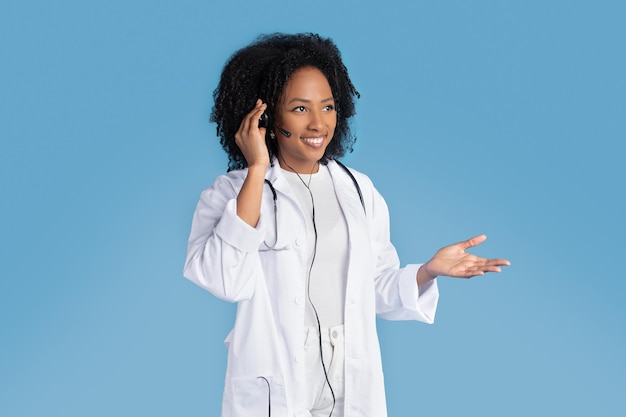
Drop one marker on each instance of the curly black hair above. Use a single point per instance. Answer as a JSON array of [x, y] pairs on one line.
[[261, 70]]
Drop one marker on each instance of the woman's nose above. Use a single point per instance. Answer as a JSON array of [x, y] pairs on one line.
[[316, 121]]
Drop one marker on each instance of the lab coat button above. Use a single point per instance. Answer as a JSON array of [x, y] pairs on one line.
[[334, 334], [298, 242], [299, 299], [298, 357]]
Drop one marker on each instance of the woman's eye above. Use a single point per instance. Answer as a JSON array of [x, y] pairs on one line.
[[299, 109], [330, 107]]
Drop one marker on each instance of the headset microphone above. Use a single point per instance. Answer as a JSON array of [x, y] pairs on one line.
[[264, 121], [284, 132]]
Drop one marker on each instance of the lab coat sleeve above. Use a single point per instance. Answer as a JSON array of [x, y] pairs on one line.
[[397, 293], [222, 252]]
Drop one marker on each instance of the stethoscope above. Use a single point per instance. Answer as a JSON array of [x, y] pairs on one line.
[[274, 197]]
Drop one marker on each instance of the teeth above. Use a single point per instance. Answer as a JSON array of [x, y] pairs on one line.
[[314, 141]]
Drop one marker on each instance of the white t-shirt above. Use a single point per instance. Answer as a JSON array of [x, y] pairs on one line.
[[326, 287]]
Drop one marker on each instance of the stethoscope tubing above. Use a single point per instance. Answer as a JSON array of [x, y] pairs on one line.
[[275, 197]]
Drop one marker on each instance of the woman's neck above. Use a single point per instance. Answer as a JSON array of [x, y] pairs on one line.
[[299, 168]]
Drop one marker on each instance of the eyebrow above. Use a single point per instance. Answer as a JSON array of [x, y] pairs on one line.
[[304, 100]]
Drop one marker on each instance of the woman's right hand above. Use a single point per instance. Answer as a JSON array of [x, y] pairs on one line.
[[251, 138]]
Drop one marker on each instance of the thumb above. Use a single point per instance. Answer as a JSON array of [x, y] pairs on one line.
[[471, 242]]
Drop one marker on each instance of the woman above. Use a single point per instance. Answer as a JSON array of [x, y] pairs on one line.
[[301, 243]]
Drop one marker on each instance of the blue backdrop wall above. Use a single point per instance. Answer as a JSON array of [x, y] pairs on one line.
[[504, 118]]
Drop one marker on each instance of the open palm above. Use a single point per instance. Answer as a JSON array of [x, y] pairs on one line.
[[454, 261]]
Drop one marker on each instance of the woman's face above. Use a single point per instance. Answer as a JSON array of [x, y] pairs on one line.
[[307, 111]]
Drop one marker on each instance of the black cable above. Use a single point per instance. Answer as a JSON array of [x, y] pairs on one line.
[[269, 395], [317, 318]]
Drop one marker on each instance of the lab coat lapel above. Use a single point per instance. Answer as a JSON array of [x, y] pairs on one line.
[[282, 186], [348, 198], [278, 180]]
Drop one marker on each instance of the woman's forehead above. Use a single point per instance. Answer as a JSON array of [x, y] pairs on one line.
[[307, 84]]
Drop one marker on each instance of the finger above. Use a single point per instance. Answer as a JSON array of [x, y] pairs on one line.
[[499, 262], [492, 265], [256, 113], [253, 110], [476, 240], [486, 263], [251, 120]]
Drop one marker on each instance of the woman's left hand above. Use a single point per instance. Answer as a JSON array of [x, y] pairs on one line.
[[453, 261]]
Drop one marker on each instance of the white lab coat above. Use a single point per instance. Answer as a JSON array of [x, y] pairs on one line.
[[233, 261]]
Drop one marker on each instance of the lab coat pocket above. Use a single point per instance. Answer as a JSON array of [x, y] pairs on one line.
[[262, 396], [371, 393]]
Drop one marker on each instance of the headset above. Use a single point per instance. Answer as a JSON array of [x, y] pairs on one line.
[[264, 121]]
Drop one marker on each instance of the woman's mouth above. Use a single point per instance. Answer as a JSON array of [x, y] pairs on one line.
[[315, 141]]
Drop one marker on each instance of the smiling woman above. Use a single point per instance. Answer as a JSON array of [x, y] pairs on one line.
[[304, 341], [262, 71], [307, 112]]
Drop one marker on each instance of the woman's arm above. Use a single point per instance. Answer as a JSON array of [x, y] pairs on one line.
[[222, 255]]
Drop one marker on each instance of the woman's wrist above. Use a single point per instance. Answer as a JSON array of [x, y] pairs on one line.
[[256, 172], [258, 167], [423, 275]]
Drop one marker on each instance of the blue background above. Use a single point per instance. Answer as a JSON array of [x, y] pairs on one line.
[[504, 118]]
